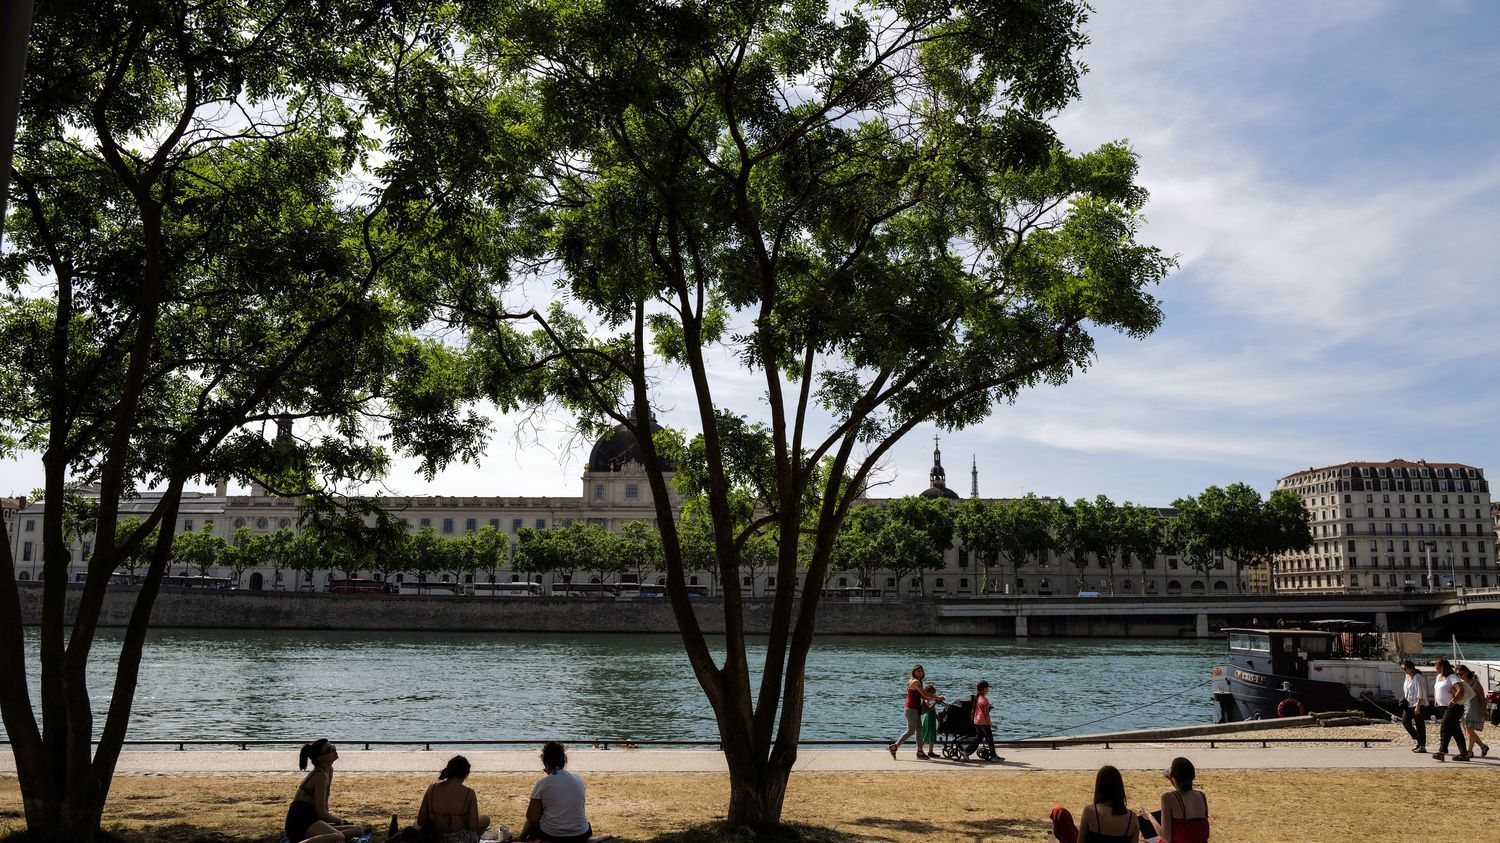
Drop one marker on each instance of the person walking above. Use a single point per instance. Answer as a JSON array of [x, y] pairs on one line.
[[1414, 699], [928, 735], [916, 698], [1448, 694], [1473, 710], [984, 729]]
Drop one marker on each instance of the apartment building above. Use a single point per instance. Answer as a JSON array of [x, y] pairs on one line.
[[1392, 526]]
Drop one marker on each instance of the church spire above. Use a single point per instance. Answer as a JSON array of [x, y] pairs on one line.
[[938, 477], [974, 478]]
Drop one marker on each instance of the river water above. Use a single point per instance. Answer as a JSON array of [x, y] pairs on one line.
[[521, 686]]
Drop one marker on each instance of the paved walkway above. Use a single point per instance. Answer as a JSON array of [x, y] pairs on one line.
[[584, 760]]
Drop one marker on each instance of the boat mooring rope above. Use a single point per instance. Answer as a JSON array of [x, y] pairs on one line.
[[1122, 713]]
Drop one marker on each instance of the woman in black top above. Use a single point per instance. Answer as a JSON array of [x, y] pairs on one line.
[[1107, 820], [307, 818]]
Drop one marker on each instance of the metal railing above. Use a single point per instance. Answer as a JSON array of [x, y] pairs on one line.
[[605, 744]]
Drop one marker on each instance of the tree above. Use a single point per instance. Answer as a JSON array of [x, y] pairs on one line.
[[200, 550], [864, 208], [605, 553], [1073, 526], [1103, 532], [141, 556], [641, 546], [195, 250], [487, 551], [1237, 524], [1139, 536]]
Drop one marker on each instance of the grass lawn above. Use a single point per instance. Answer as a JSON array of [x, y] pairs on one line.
[[1245, 806]]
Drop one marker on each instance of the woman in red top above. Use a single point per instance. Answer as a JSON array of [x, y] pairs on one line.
[[915, 695], [984, 729], [1184, 811]]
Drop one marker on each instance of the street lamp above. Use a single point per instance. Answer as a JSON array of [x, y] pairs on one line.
[[1427, 549]]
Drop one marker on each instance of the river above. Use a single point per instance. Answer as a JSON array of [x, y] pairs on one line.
[[198, 684]]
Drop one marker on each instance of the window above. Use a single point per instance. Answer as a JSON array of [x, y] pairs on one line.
[[187, 525], [598, 491], [632, 491], [963, 584], [31, 525], [426, 522], [447, 525], [283, 523], [937, 583], [238, 523], [471, 525], [515, 525], [260, 523], [26, 552], [844, 583], [495, 523], [541, 523]]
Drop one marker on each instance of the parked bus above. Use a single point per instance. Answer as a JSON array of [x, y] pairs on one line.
[[582, 589], [851, 594], [508, 589], [694, 591], [359, 586], [430, 589], [196, 582]]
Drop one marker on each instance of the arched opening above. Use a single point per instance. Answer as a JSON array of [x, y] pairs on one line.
[[963, 584], [515, 577], [595, 581], [257, 582], [1151, 586], [1174, 587], [1221, 586], [1128, 587], [468, 579], [24, 575], [1198, 586], [843, 582], [663, 580], [400, 578], [693, 580]]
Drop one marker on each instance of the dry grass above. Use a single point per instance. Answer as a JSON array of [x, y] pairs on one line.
[[1247, 806]]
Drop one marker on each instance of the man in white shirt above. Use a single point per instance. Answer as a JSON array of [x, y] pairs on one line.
[[1448, 693], [1414, 699]]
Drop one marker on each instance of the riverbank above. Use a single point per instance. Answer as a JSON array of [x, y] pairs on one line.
[[1019, 617], [909, 804]]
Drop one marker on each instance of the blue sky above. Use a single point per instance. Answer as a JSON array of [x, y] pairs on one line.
[[1329, 174]]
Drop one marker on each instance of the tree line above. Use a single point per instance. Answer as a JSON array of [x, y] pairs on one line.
[[1232, 523], [902, 537]]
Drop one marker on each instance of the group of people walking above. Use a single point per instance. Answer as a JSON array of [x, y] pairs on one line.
[[920, 709], [1459, 695], [1183, 817], [449, 812]]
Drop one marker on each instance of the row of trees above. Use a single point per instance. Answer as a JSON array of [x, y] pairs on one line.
[[902, 537], [230, 214], [1230, 524]]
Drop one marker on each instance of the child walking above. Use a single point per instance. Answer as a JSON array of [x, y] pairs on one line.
[[984, 730], [928, 735]]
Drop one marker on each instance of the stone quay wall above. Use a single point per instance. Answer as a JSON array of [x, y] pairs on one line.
[[1037, 617]]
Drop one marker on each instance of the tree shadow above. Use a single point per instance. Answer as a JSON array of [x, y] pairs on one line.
[[724, 833]]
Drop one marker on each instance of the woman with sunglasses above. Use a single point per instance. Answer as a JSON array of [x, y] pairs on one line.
[[307, 818]]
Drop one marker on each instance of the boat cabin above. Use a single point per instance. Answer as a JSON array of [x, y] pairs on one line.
[[1287, 652]]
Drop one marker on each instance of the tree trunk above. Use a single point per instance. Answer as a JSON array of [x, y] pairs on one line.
[[757, 787]]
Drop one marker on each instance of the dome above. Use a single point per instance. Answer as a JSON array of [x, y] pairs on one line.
[[618, 447], [938, 492]]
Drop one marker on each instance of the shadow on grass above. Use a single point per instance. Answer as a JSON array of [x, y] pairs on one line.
[[725, 833], [171, 833]]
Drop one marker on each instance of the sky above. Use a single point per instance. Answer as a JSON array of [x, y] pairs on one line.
[[1328, 175]]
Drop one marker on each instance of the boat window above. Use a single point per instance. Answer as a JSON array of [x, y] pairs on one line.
[[1315, 646], [1253, 643]]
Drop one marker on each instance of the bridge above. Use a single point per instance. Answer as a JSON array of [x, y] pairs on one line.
[[1202, 615]]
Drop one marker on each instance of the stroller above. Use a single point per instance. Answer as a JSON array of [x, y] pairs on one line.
[[955, 727]]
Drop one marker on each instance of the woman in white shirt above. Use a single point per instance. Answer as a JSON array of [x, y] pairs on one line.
[[555, 812]]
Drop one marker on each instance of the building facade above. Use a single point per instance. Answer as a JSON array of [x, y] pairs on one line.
[[1390, 527], [614, 492]]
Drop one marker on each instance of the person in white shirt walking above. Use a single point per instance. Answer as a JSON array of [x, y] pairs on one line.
[[1414, 699], [1449, 692]]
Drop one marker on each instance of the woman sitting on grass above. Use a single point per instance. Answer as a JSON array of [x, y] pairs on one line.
[[1184, 811], [452, 809], [307, 818], [1107, 820], [555, 812]]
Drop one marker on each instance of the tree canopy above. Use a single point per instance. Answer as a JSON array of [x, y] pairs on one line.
[[863, 208]]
